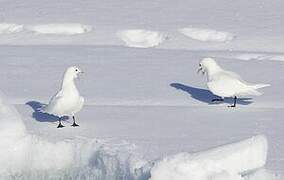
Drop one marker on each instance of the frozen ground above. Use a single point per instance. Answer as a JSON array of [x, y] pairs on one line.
[[147, 111]]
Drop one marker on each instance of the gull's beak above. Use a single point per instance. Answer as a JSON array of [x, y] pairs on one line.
[[199, 69], [79, 74]]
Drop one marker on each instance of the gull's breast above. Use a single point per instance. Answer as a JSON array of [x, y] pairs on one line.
[[67, 105]]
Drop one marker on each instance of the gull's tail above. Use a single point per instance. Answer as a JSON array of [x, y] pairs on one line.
[[258, 86], [253, 90]]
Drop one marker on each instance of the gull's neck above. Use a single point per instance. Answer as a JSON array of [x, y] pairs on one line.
[[213, 69], [68, 84]]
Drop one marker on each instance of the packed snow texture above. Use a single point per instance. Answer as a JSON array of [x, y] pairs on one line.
[[228, 162], [207, 34], [141, 38], [61, 29], [7, 28]]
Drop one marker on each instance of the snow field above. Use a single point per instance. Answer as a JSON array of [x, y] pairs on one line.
[[226, 162], [207, 35]]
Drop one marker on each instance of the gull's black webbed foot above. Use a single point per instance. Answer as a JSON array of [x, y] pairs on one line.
[[60, 125], [74, 125]]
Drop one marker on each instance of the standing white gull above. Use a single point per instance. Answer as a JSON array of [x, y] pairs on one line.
[[67, 101], [226, 83]]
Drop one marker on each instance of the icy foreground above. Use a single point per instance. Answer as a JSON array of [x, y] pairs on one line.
[[225, 162], [28, 156], [92, 159]]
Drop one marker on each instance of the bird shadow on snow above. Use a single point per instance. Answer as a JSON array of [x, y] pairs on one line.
[[206, 96], [41, 116]]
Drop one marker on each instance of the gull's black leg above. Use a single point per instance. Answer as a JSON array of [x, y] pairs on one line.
[[235, 102], [74, 123], [60, 125]]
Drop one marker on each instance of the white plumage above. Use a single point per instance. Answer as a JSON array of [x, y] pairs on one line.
[[226, 83], [67, 101]]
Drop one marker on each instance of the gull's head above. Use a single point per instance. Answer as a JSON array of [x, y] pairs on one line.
[[73, 72], [207, 64]]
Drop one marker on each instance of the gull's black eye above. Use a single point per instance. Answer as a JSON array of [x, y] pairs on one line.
[[199, 64], [76, 70]]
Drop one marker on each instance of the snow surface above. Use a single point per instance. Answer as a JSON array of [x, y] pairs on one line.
[[207, 34], [141, 38]]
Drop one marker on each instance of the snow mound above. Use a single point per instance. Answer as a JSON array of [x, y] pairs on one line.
[[141, 38], [207, 35], [6, 28], [18, 147], [228, 162], [61, 29]]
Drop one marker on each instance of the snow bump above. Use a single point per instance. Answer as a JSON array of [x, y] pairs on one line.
[[7, 28], [260, 56], [61, 29], [207, 35], [141, 38]]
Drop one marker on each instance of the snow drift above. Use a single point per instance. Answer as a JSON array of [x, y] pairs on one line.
[[61, 29], [207, 34], [7, 28], [141, 38], [228, 162]]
